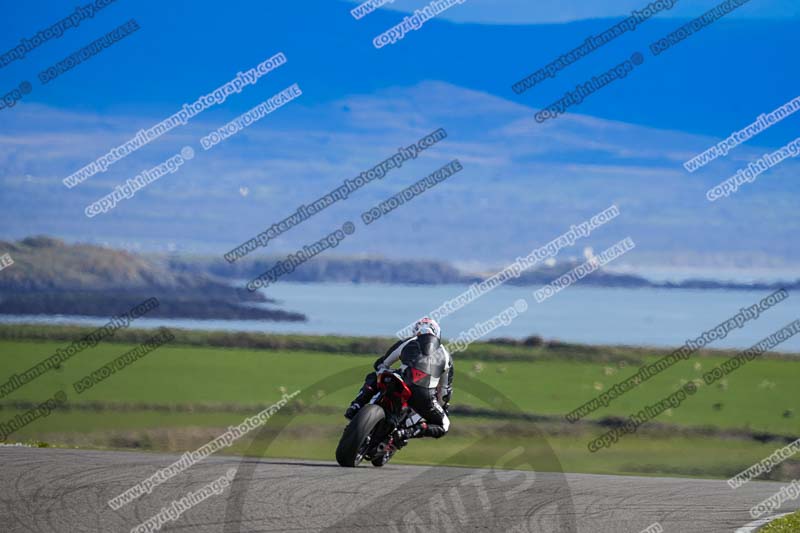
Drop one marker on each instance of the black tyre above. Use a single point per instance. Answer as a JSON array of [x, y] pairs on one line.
[[355, 438]]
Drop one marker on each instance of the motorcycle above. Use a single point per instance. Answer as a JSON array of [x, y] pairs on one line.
[[370, 434]]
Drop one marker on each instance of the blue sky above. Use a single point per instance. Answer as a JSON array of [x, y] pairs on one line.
[[545, 12], [523, 182]]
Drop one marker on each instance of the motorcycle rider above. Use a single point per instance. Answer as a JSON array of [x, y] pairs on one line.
[[427, 369]]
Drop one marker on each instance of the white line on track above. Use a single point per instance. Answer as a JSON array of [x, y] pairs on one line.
[[752, 527]]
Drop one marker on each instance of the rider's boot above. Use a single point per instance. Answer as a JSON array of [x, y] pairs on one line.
[[402, 435], [364, 395]]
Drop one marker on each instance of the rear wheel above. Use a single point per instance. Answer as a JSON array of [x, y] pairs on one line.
[[357, 435]]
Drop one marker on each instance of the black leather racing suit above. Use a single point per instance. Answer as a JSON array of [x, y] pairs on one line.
[[427, 369]]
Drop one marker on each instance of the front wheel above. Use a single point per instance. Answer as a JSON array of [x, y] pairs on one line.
[[357, 435]]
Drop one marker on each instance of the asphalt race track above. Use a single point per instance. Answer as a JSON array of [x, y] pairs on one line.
[[49, 490]]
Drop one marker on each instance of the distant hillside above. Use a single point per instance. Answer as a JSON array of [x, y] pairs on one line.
[[603, 278], [51, 277], [418, 272], [331, 269]]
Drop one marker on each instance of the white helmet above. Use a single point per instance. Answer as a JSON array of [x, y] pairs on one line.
[[427, 326]]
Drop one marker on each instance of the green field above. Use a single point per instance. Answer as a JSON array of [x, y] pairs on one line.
[[180, 396]]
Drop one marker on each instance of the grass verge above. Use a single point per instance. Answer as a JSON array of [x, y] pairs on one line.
[[786, 524]]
